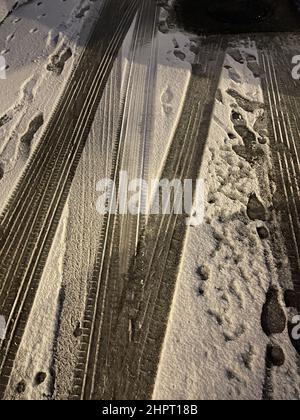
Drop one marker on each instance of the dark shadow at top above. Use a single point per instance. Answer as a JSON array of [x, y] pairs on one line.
[[237, 16]]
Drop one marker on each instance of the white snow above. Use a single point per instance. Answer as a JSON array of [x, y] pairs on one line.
[[7, 6], [173, 75]]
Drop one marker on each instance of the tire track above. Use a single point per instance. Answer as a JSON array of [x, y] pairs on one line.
[[118, 239], [32, 215]]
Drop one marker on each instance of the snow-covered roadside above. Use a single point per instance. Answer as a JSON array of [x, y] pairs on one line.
[[28, 98], [8, 6], [215, 346], [41, 42]]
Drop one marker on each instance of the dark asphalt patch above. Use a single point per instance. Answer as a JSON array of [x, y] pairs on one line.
[[273, 318], [1, 171], [275, 355]]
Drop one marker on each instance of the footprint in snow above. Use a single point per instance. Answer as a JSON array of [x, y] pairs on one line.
[[40, 378], [27, 138], [4, 120], [175, 43], [255, 209], [179, 54], [82, 12], [233, 74], [58, 61], [236, 55], [253, 65], [1, 171], [166, 100], [273, 318]]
